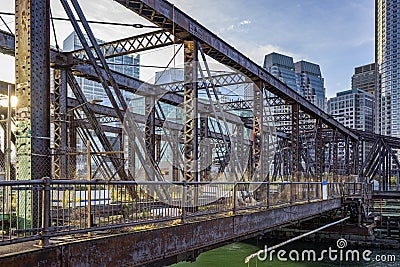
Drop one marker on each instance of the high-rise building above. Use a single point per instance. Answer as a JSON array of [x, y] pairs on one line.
[[364, 78], [303, 77], [353, 108], [282, 67], [387, 48], [128, 65], [311, 83]]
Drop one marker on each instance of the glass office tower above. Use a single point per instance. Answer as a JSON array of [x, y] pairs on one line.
[[387, 64]]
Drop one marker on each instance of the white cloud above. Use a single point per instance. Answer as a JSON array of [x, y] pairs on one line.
[[244, 22], [241, 26]]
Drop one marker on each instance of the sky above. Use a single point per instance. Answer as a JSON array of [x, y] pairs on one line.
[[338, 35]]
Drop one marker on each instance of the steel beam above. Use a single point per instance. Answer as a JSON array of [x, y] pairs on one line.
[[131, 45], [190, 111], [216, 80], [60, 123], [170, 18], [150, 130], [258, 133], [295, 142], [32, 69], [319, 151], [335, 152], [205, 150]]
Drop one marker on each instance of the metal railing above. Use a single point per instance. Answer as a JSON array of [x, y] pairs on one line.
[[43, 209]]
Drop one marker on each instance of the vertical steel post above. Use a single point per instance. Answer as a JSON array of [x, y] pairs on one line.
[[89, 196], [60, 124], [205, 149], [71, 143], [150, 131], [32, 69], [239, 148], [190, 111], [335, 155], [319, 151], [175, 155], [45, 242], [356, 155], [258, 111], [295, 142], [131, 159], [347, 165]]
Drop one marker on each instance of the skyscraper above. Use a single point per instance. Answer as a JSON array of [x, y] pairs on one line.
[[303, 77], [311, 82], [353, 108], [282, 67], [387, 39], [364, 78]]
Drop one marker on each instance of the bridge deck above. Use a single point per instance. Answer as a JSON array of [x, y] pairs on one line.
[[169, 243]]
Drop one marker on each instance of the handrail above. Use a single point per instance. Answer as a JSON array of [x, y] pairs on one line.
[[63, 208]]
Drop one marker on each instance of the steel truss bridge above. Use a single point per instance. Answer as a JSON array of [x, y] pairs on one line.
[[215, 136]]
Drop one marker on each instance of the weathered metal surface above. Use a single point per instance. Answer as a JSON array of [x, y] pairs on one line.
[[190, 111], [34, 257], [170, 18], [126, 46], [145, 247], [60, 122], [32, 76]]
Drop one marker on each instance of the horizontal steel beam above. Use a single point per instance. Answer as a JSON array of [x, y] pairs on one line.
[[126, 46], [216, 80], [393, 142]]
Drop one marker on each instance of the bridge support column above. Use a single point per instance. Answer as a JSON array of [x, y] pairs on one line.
[[335, 156], [205, 150], [347, 165], [150, 132], [356, 155], [60, 124], [319, 151], [32, 48], [190, 111], [176, 164], [131, 159], [295, 143], [258, 155]]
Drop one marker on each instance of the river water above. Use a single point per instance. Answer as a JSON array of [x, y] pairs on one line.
[[233, 255]]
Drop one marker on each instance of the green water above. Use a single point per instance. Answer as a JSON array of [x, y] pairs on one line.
[[233, 255]]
